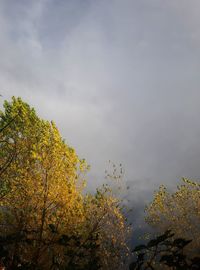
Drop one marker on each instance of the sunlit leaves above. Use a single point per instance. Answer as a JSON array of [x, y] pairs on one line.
[[44, 206], [179, 211]]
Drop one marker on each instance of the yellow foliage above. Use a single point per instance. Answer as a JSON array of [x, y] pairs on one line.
[[178, 211], [41, 191]]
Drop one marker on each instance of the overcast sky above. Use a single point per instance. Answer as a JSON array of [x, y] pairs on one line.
[[119, 77]]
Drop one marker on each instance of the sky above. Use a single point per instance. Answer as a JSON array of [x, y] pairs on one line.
[[119, 77]]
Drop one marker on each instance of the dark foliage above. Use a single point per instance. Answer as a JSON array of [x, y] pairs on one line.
[[87, 252], [164, 251]]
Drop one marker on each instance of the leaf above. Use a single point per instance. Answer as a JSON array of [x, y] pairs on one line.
[[140, 247], [152, 243], [180, 242]]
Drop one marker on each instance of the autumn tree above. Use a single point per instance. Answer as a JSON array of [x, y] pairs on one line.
[[105, 219], [45, 220], [178, 211], [6, 157]]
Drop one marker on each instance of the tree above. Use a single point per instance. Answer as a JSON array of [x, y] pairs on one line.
[[178, 211], [106, 221], [164, 252], [45, 220], [6, 157]]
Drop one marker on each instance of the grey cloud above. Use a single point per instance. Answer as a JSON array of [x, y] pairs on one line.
[[120, 78]]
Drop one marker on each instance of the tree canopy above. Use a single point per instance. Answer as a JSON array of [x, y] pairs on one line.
[[45, 220], [178, 211]]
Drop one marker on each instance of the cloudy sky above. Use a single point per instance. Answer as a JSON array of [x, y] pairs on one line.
[[119, 77]]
